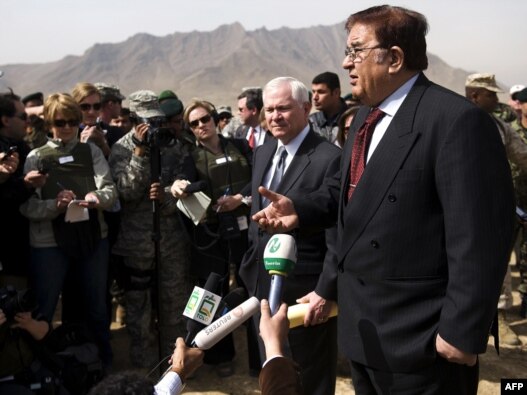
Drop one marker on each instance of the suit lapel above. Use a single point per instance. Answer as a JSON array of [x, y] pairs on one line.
[[346, 156], [263, 160], [300, 161], [380, 171]]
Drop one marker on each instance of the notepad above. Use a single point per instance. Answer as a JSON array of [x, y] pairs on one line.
[[76, 213], [194, 206]]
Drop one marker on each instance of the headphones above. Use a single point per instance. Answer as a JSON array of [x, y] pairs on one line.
[[213, 112]]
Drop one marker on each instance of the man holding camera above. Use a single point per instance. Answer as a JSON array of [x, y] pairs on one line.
[[15, 189], [130, 162]]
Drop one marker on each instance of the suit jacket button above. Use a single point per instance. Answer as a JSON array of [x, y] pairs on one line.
[[392, 198], [341, 268], [374, 244], [361, 281]]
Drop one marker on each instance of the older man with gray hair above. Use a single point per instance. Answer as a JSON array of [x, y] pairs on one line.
[[301, 160]]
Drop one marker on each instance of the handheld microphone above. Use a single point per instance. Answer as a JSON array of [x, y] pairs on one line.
[[233, 299], [201, 306], [224, 325], [279, 259], [297, 312]]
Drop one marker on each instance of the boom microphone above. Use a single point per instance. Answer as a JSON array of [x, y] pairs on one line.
[[279, 259], [297, 312], [220, 328], [196, 309]]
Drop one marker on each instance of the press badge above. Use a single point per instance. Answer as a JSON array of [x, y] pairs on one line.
[[242, 222], [224, 159], [65, 159]]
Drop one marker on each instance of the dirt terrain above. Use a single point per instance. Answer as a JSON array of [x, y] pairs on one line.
[[511, 363]]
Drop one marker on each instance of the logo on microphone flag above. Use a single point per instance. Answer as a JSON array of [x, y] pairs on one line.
[[280, 254], [202, 305]]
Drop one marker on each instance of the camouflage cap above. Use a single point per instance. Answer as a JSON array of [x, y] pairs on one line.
[[172, 107], [521, 96], [483, 80], [109, 91], [224, 110], [145, 104]]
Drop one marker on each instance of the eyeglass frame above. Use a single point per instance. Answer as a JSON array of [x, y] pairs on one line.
[[205, 119], [87, 106], [62, 123], [352, 53]]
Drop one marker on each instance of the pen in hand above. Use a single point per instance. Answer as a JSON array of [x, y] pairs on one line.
[[225, 194], [65, 189]]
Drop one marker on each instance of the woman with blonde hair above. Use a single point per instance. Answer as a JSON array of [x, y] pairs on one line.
[[67, 228]]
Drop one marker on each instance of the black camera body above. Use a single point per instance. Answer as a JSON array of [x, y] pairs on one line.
[[13, 302], [158, 136]]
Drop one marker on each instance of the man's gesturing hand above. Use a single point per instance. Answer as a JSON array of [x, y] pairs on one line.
[[279, 216]]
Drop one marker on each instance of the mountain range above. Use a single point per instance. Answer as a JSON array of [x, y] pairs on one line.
[[213, 65]]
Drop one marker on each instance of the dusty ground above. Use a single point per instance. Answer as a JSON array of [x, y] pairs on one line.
[[511, 363]]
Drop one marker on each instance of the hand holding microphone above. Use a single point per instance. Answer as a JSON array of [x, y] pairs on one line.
[[226, 324], [279, 259], [274, 330]]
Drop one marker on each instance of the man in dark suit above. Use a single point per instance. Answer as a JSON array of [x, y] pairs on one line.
[[423, 241], [306, 162], [249, 107]]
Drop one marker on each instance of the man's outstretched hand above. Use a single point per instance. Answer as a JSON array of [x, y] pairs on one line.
[[279, 216]]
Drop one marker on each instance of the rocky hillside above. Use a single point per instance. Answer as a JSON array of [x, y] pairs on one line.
[[214, 65]]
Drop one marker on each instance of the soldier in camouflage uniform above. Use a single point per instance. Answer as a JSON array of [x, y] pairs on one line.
[[520, 184], [130, 165], [481, 89], [504, 112]]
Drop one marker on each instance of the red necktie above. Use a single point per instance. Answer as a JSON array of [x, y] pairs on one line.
[[251, 138], [360, 148]]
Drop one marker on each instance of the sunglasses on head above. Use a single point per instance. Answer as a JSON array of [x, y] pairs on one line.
[[88, 106], [60, 123], [204, 119]]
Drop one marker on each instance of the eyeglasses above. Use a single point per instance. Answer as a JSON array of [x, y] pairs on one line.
[[204, 119], [88, 106], [352, 53], [60, 123], [22, 116]]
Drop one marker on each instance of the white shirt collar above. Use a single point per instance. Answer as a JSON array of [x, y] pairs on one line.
[[391, 104], [294, 144]]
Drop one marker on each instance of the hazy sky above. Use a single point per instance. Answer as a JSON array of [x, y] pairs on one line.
[[476, 35]]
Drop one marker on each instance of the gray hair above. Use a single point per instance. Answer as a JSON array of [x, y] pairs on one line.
[[299, 91]]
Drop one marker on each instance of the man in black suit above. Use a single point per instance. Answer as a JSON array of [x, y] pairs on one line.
[[249, 107], [308, 159], [423, 242]]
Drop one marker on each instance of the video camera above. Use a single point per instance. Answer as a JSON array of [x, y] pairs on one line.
[[13, 302], [158, 135]]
